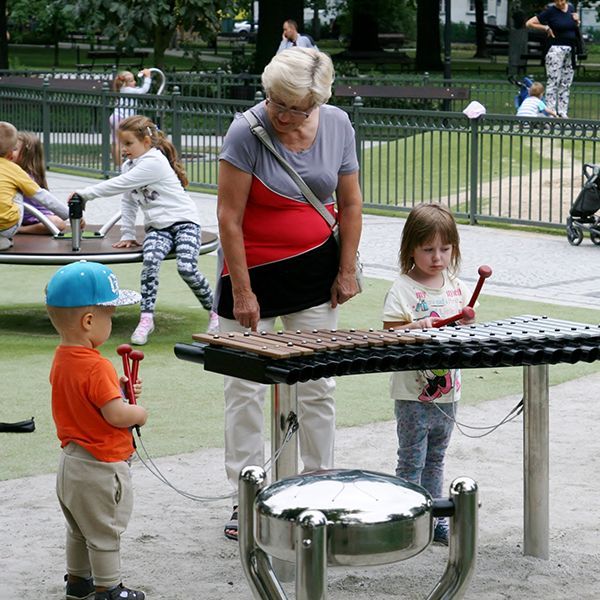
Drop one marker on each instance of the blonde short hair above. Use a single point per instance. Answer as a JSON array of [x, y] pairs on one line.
[[297, 73], [8, 137], [536, 89]]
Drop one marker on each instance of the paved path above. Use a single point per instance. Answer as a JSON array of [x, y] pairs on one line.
[[525, 265]]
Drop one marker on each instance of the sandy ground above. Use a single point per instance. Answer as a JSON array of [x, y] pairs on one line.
[[174, 548]]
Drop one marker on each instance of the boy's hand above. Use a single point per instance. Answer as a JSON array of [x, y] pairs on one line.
[[137, 386]]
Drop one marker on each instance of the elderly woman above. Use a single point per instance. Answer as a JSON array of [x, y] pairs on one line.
[[560, 22], [279, 257]]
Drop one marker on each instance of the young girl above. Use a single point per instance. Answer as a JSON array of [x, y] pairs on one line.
[[154, 181], [125, 83], [29, 155], [425, 401]]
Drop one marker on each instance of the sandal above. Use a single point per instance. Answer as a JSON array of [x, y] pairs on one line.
[[231, 527]]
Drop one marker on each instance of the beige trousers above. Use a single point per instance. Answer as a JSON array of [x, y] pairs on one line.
[[97, 500]]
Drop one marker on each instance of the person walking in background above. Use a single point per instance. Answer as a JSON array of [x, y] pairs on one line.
[[29, 155], [533, 105], [125, 83], [291, 37], [155, 181], [93, 422], [279, 257], [561, 24], [425, 401]]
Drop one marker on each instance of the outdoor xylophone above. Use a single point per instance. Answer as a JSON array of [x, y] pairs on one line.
[[293, 357]]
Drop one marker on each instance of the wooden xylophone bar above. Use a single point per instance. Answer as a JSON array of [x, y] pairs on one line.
[[295, 357]]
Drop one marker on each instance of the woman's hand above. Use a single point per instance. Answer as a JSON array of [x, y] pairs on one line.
[[344, 287], [126, 244], [246, 310]]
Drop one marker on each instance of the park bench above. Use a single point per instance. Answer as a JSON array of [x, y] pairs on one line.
[[115, 57], [391, 40], [425, 93]]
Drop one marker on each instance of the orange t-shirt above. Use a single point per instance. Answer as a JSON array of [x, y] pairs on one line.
[[83, 381]]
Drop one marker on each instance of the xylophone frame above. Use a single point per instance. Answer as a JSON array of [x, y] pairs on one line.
[[536, 420]]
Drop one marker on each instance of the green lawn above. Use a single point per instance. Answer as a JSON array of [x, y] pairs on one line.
[[185, 402]]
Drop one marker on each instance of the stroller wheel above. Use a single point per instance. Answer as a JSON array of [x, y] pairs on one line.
[[595, 237], [575, 235]]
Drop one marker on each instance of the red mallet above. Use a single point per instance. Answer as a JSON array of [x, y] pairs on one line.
[[125, 350], [484, 272], [136, 356], [466, 313]]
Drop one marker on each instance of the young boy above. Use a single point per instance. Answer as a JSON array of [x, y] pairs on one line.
[[534, 106], [93, 424], [16, 183]]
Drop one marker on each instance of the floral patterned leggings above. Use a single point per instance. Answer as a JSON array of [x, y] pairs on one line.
[[559, 74], [185, 240]]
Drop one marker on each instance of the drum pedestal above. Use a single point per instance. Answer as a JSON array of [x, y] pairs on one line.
[[348, 518]]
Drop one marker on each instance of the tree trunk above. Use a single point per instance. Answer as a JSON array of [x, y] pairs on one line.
[[162, 38], [3, 36], [365, 27], [480, 37], [271, 15], [429, 46]]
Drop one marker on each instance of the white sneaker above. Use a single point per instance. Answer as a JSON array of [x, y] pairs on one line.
[[5, 243], [213, 322], [145, 327]]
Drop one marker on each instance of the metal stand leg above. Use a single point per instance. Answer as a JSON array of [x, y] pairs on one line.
[[311, 556], [284, 399], [536, 471], [462, 550]]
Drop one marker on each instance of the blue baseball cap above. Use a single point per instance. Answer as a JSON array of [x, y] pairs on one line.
[[86, 283]]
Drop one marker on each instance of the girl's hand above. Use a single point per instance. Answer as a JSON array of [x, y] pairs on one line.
[[465, 321], [146, 72], [126, 244]]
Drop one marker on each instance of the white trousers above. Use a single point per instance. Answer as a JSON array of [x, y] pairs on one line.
[[244, 402]]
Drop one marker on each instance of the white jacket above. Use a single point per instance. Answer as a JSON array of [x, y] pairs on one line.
[[150, 183]]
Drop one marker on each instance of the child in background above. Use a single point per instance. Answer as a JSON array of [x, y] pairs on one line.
[[534, 106], [154, 181], [16, 183], [125, 83], [425, 401], [93, 424], [29, 155]]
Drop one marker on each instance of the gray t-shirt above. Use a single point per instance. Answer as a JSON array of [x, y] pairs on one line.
[[333, 153]]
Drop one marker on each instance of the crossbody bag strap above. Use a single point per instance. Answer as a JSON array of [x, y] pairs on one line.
[[259, 131]]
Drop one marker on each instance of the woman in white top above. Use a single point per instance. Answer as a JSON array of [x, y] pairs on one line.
[[125, 83], [154, 181]]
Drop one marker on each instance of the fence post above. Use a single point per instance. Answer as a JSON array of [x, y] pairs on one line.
[[176, 127], [105, 130], [474, 170], [219, 72], [46, 121], [357, 104], [258, 97]]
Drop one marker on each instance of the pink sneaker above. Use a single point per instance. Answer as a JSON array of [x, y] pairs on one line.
[[213, 322], [145, 327]]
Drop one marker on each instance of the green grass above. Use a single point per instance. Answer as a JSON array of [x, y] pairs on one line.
[[186, 402], [433, 164]]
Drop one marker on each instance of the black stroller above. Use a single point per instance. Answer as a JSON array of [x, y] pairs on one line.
[[582, 214]]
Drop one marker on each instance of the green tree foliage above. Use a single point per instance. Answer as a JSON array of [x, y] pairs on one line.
[[138, 23], [38, 21]]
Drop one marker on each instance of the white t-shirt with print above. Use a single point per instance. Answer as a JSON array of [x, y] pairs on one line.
[[409, 301]]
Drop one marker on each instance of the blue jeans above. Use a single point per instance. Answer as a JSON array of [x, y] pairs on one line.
[[424, 431]]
